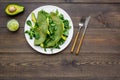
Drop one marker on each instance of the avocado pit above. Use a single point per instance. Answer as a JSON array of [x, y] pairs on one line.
[[12, 9]]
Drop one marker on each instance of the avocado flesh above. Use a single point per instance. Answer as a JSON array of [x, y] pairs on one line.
[[14, 9], [33, 18]]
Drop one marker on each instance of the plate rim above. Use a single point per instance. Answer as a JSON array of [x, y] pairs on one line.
[[59, 50]]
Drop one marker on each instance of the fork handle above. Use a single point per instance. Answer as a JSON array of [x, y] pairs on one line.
[[76, 37], [79, 46]]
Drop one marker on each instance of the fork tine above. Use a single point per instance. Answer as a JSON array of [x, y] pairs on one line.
[[81, 22]]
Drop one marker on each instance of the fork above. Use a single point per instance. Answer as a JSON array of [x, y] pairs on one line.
[[81, 24]]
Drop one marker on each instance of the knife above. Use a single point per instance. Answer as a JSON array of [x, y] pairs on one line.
[[81, 40]]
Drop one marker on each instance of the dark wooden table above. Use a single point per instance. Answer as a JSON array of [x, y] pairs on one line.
[[99, 58]]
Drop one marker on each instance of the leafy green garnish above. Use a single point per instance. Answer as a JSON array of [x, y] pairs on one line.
[[66, 32], [54, 20], [29, 23], [61, 16], [36, 35], [30, 33]]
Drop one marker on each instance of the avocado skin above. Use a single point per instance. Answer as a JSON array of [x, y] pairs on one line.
[[19, 9]]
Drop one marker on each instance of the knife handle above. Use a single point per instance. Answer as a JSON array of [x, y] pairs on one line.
[[76, 37], [79, 46]]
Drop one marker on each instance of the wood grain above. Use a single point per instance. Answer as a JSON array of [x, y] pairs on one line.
[[68, 1], [32, 65], [99, 58]]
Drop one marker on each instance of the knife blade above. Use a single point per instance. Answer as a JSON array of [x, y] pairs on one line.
[[87, 21]]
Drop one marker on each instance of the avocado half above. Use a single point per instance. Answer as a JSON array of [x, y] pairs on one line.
[[14, 9]]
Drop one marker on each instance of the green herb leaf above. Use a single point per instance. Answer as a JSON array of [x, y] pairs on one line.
[[66, 24], [36, 35], [66, 32], [61, 16], [31, 35], [36, 25], [27, 31], [29, 23]]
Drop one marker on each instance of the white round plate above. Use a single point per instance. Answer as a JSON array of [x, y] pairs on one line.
[[49, 8]]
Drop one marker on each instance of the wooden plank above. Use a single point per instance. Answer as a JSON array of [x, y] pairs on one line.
[[33, 65], [102, 40], [68, 1], [103, 15], [36, 59], [63, 78]]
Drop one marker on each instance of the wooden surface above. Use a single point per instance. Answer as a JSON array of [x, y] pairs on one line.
[[99, 58]]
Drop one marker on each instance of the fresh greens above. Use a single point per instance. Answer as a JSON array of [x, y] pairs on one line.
[[29, 23], [49, 30]]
